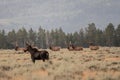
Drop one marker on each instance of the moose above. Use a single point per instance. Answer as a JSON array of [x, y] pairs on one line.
[[71, 47], [54, 48], [36, 54], [92, 46]]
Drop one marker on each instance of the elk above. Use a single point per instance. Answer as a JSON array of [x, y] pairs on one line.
[[70, 47], [54, 48], [17, 48], [74, 48], [36, 54], [78, 48], [93, 47]]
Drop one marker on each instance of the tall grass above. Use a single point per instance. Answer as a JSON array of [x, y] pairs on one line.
[[103, 64]]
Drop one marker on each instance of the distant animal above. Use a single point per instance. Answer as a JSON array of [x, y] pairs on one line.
[[36, 54], [70, 47], [54, 48], [78, 48], [19, 49], [93, 46], [75, 48]]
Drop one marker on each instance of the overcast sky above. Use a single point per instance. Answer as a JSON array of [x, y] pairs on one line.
[[71, 15]]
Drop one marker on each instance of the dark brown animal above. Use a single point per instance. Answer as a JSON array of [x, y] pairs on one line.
[[54, 48], [36, 54]]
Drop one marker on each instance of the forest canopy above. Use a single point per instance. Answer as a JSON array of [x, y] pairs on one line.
[[42, 38]]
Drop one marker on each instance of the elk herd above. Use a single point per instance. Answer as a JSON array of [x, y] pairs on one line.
[[43, 55]]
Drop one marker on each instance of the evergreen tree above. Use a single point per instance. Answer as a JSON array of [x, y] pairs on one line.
[[82, 37], [69, 39], [54, 37], [91, 33], [41, 38], [76, 38], [3, 40], [32, 36], [61, 38], [11, 38], [110, 34], [22, 37], [47, 38], [100, 38], [118, 36]]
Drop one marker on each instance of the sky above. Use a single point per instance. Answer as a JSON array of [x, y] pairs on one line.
[[70, 15]]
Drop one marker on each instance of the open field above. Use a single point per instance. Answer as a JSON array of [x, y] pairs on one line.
[[103, 64]]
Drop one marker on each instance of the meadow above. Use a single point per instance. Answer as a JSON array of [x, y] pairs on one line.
[[102, 64]]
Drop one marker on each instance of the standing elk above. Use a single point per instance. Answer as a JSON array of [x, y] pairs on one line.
[[36, 54], [54, 48]]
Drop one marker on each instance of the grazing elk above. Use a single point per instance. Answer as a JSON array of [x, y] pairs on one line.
[[36, 54], [54, 48], [75, 48], [93, 47]]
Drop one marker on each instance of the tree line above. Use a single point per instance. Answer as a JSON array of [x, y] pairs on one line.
[[42, 38]]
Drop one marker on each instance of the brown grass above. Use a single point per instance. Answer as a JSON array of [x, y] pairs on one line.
[[102, 64]]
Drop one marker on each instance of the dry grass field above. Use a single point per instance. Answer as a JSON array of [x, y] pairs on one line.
[[102, 64]]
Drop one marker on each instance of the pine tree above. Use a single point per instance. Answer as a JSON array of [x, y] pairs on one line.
[[91, 33], [11, 38], [118, 36], [100, 38], [41, 38], [3, 40], [32, 36], [61, 38], [76, 38], [110, 34], [22, 36]]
